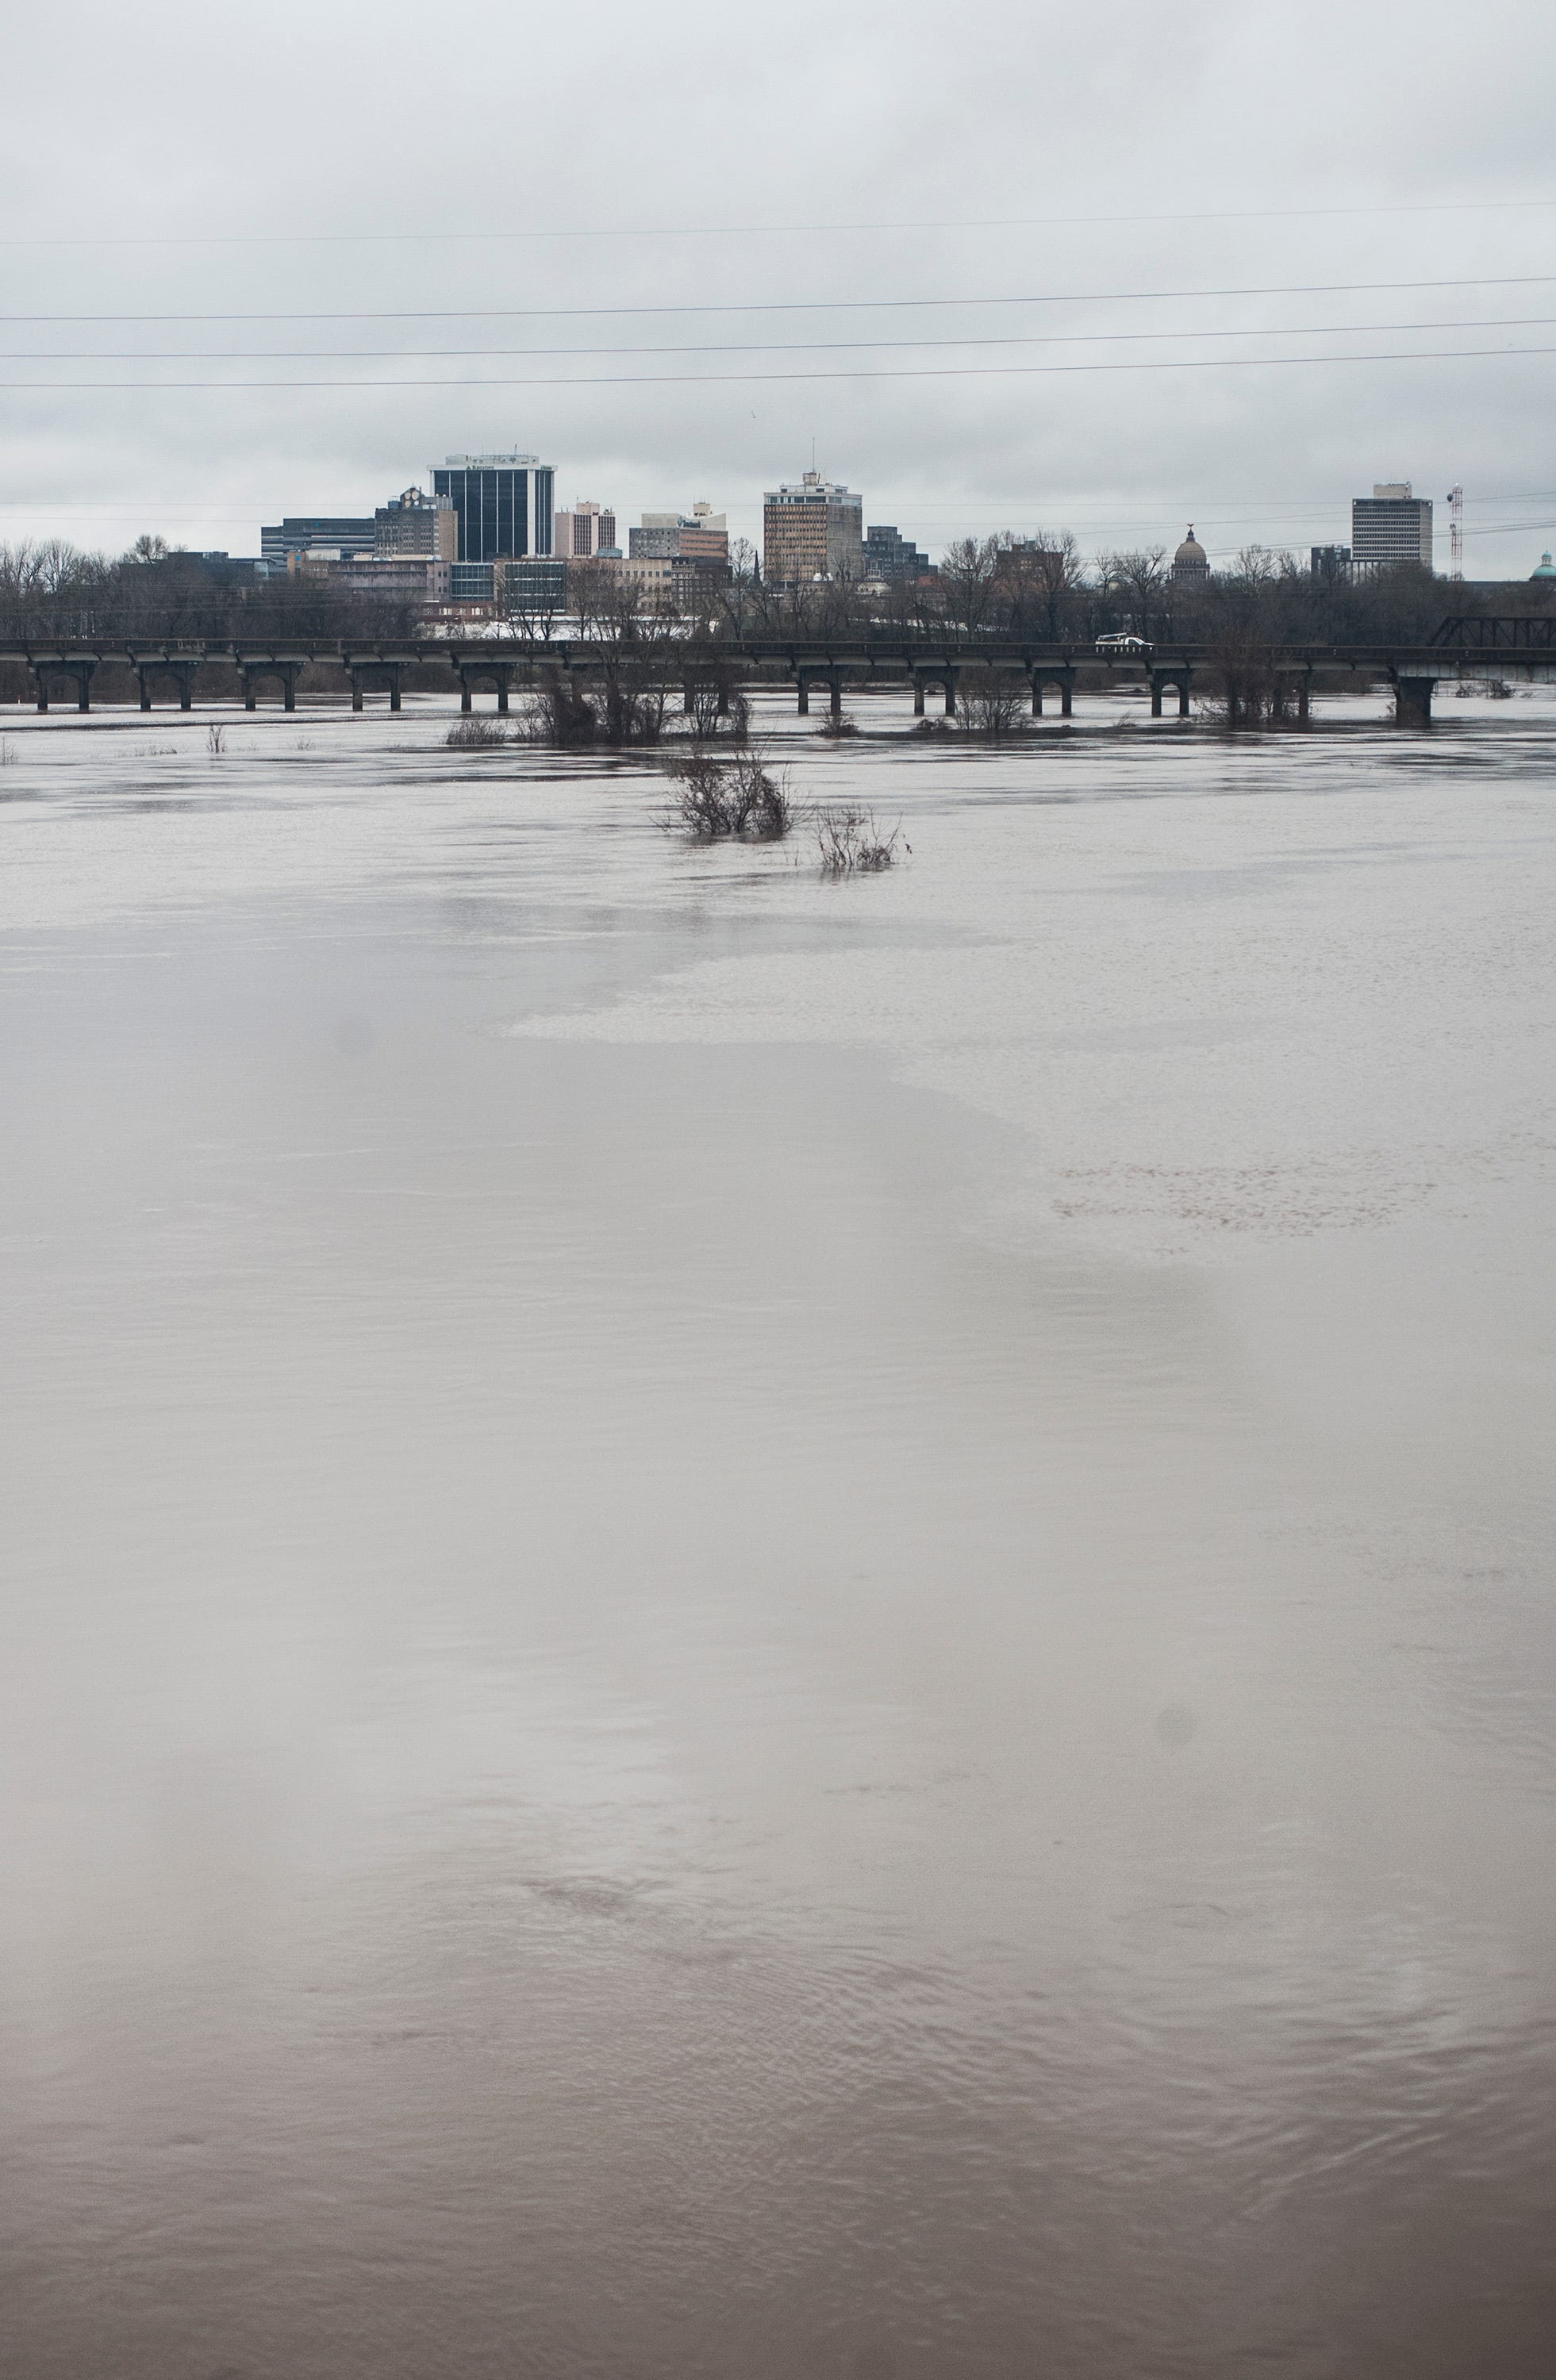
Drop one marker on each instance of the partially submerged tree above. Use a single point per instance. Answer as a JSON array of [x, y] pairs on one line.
[[991, 700], [733, 799]]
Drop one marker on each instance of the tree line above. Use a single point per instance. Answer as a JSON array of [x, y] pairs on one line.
[[1038, 590], [158, 594]]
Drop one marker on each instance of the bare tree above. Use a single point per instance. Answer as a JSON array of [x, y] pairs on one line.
[[532, 616], [1139, 578], [1259, 564], [593, 596], [966, 582], [1054, 571], [1033, 581]]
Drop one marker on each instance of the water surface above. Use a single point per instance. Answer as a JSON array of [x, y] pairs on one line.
[[766, 1628]]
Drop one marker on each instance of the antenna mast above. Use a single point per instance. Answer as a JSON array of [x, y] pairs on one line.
[[1455, 533]]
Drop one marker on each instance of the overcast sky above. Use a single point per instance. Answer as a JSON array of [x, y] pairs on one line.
[[341, 160]]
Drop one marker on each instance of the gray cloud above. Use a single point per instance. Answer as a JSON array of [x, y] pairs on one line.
[[606, 119]]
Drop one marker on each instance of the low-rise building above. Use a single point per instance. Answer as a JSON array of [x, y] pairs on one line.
[[888, 556], [457, 614], [683, 584], [331, 533], [414, 522], [701, 535], [532, 585], [408, 577]]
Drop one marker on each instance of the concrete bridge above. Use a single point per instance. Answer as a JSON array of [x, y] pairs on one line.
[[1459, 646]]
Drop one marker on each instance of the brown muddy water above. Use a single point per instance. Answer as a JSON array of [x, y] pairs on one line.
[[755, 1629]]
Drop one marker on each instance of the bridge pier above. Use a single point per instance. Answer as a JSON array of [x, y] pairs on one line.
[[181, 672], [1161, 679], [388, 671], [252, 673], [717, 686], [943, 674], [1064, 679], [1413, 701], [831, 678], [500, 674], [80, 670]]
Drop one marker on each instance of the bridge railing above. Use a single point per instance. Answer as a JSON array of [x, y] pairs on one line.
[[1474, 632]]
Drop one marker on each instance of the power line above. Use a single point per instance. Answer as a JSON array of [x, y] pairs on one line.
[[1195, 504], [759, 348], [808, 305], [751, 231], [758, 380]]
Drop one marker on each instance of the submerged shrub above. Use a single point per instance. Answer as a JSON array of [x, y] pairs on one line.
[[560, 713], [851, 843], [625, 706], [476, 732]]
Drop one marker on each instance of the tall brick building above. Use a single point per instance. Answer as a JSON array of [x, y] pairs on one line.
[[814, 530]]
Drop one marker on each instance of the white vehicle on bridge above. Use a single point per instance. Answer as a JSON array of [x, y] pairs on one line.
[[1122, 648]]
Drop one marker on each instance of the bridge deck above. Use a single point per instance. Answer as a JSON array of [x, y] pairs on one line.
[[1453, 640]]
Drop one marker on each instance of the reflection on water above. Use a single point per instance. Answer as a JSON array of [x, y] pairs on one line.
[[773, 1628]]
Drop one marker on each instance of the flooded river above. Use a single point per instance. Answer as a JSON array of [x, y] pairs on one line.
[[758, 1629]]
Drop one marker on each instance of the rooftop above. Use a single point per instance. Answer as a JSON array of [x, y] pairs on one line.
[[491, 462]]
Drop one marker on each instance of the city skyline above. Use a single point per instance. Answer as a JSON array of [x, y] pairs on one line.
[[1163, 524], [598, 533]]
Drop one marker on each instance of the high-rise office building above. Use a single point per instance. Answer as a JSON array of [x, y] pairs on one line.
[[1390, 526], [585, 532], [417, 524], [503, 503], [812, 530]]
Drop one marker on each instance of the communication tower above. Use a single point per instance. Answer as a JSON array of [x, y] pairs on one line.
[[1455, 533]]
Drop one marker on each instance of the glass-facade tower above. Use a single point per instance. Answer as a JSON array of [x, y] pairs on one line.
[[503, 503]]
